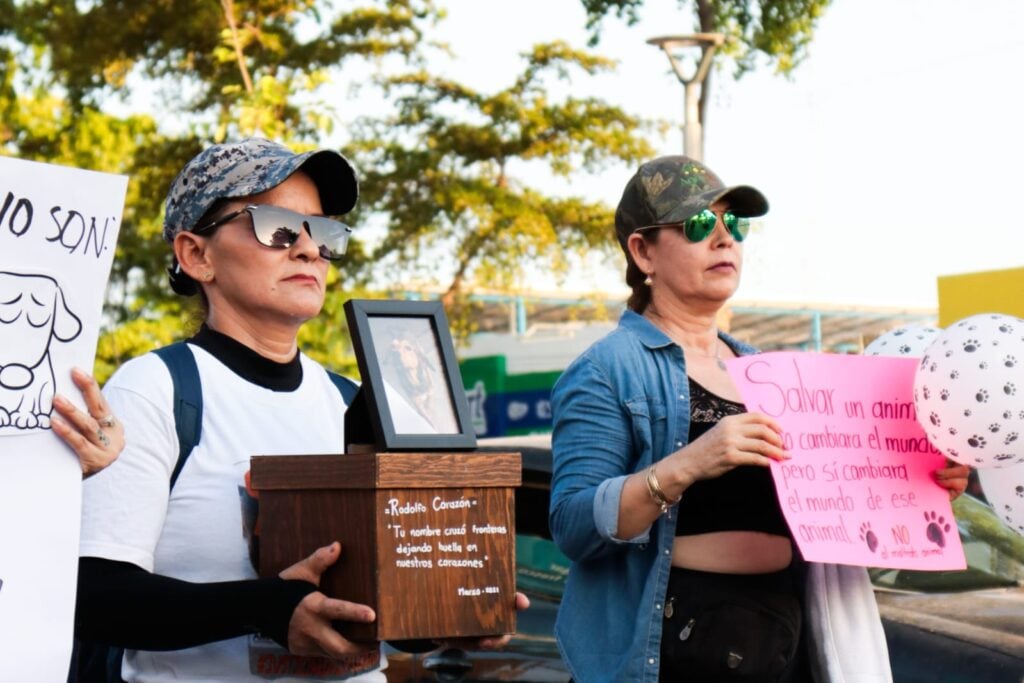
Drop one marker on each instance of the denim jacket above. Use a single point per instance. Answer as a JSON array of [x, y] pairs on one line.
[[619, 407]]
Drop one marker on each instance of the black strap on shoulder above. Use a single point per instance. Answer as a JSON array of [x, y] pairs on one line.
[[188, 400], [347, 387]]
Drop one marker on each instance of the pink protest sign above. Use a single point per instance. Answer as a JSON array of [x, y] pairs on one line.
[[858, 489]]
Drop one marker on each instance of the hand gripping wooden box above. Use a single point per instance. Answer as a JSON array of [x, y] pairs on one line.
[[428, 539]]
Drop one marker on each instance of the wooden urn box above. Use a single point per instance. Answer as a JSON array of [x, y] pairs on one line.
[[427, 539]]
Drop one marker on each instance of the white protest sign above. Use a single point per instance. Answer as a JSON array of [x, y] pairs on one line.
[[58, 232]]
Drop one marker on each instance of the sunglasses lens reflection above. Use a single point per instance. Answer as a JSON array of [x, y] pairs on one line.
[[700, 226], [697, 228], [280, 228]]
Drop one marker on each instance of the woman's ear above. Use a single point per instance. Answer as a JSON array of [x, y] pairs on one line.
[[191, 251], [640, 250]]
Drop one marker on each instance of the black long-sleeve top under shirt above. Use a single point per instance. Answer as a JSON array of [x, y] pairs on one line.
[[124, 605]]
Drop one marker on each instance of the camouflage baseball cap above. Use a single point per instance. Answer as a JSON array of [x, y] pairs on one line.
[[250, 167], [670, 189]]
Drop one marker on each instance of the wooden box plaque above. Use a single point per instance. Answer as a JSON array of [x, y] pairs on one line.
[[428, 539]]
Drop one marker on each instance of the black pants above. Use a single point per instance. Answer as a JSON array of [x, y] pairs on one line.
[[734, 627]]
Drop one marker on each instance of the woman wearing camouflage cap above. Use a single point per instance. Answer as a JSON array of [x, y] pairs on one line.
[[683, 567], [165, 569]]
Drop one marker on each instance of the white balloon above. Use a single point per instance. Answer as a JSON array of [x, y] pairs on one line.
[[909, 341], [1004, 489], [969, 391]]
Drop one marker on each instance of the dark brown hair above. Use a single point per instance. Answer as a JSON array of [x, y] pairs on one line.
[[640, 298]]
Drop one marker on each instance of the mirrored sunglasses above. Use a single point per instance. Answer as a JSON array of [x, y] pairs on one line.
[[279, 228], [699, 227]]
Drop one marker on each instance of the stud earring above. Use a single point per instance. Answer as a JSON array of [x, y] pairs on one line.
[[207, 276], [648, 281]]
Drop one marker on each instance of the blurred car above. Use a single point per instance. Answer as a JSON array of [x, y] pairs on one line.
[[942, 627]]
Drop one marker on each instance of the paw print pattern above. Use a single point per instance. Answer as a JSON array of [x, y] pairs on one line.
[[1019, 490], [975, 392], [1003, 457], [1010, 438], [937, 528], [905, 349], [868, 536]]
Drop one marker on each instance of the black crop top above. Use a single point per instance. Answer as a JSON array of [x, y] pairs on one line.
[[742, 499]]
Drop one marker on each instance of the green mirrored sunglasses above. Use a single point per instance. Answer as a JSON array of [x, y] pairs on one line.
[[698, 227]]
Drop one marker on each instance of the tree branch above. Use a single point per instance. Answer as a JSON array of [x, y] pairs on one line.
[[229, 14]]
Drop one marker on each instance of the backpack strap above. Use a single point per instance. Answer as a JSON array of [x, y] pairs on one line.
[[347, 387], [188, 400]]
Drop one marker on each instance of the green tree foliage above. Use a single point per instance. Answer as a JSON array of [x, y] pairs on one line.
[[441, 169], [230, 68], [777, 30], [213, 71], [441, 172]]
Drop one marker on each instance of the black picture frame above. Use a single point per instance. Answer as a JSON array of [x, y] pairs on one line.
[[411, 395]]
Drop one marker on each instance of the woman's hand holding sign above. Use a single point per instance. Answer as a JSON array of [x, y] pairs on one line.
[[744, 439], [96, 436], [953, 477]]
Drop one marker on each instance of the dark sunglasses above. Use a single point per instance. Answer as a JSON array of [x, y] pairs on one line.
[[697, 228], [279, 228]]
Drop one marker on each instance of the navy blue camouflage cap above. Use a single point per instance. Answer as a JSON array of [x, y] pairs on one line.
[[670, 189], [252, 166]]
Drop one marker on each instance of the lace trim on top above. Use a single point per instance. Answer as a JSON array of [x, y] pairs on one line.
[[742, 499]]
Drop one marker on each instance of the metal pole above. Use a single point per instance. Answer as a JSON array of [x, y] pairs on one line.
[[693, 130]]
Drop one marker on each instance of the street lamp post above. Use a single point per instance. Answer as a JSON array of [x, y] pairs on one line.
[[693, 133]]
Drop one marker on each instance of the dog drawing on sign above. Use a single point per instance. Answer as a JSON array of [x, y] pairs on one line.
[[32, 314]]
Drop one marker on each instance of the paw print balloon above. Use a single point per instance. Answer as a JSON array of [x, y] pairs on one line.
[[909, 341], [1004, 489], [969, 391]]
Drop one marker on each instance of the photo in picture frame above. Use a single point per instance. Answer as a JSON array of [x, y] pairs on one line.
[[411, 396]]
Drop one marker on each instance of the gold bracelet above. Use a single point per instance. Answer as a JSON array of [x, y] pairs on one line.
[[657, 495]]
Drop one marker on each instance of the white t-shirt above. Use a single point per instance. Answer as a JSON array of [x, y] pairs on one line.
[[196, 534]]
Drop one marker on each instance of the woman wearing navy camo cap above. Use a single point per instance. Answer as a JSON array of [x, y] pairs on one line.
[[165, 571], [683, 568]]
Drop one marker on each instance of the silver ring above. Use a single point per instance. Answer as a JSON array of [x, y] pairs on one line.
[[103, 438], [106, 421]]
